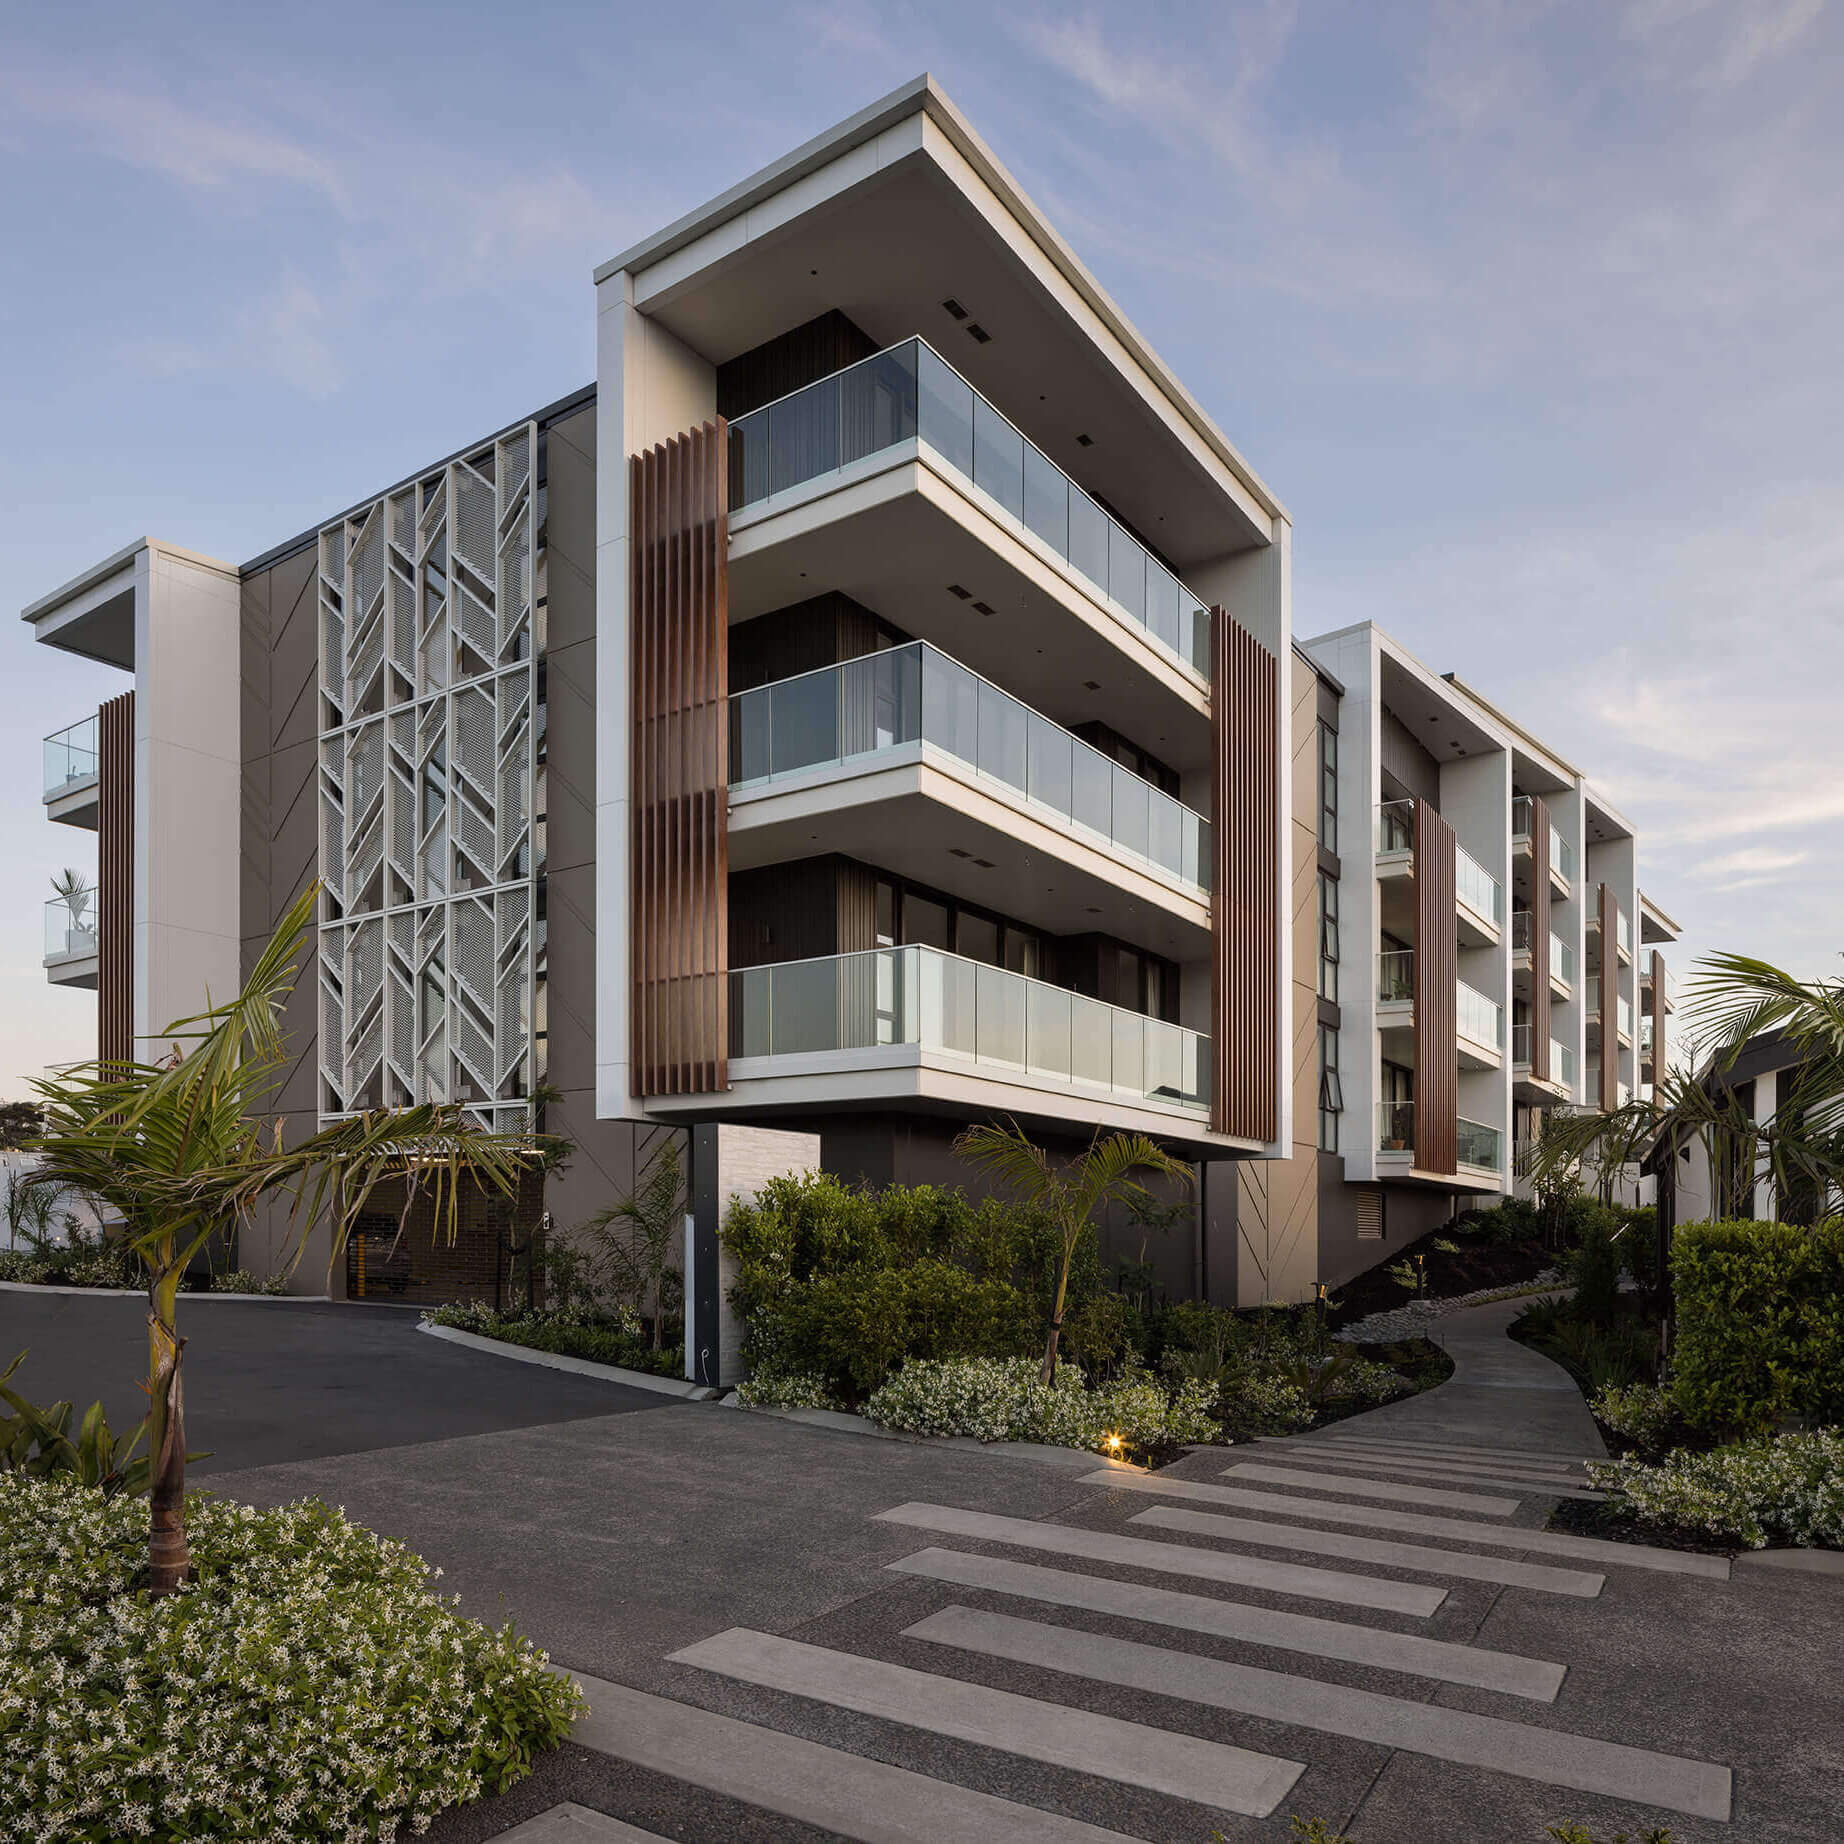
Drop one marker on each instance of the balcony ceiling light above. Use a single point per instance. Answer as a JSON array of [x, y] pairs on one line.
[[955, 308], [978, 334]]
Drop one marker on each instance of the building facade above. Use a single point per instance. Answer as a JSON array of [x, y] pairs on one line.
[[871, 705]]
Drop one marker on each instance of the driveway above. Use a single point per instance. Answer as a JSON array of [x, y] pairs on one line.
[[276, 1382]]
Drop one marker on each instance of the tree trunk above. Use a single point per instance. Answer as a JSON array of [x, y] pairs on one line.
[[166, 1538], [1056, 1314]]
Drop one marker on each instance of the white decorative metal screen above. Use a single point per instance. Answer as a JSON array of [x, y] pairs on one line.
[[431, 952]]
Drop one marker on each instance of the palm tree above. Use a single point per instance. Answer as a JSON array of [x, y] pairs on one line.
[[1736, 1000], [181, 1150], [638, 1254], [1069, 1195], [73, 889]]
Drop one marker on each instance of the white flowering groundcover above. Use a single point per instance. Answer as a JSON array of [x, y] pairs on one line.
[[306, 1683], [1788, 1489]]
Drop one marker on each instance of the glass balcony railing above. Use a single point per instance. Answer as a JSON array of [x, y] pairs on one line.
[[1001, 1023], [1561, 960], [1623, 932], [910, 393], [1520, 1045], [1395, 1126], [1646, 1038], [70, 928], [1591, 995], [1479, 890], [72, 757], [914, 694], [1561, 852], [1561, 857], [1480, 1146], [1520, 931], [1624, 1012], [1395, 975], [1522, 814], [1395, 827], [1562, 1064], [1480, 1019]]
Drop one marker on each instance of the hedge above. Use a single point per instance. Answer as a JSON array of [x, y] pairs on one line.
[[1760, 1325]]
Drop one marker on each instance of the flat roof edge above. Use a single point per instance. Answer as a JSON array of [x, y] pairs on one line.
[[923, 95], [1511, 723], [98, 573]]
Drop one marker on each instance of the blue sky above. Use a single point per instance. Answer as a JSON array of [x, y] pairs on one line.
[[1529, 313]]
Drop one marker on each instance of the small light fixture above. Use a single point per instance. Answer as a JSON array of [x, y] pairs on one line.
[[960, 594], [978, 334], [1091, 685], [955, 308], [984, 608], [1085, 441], [1113, 1443]]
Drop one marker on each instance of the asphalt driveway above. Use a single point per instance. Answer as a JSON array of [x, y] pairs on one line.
[[274, 1382]]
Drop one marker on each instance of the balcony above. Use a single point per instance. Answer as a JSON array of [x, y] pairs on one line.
[[72, 768], [1647, 978], [1623, 935], [1481, 900], [891, 1023], [1561, 1061], [1395, 828], [1561, 955], [1561, 852], [1479, 905], [1396, 976], [1481, 1025], [1395, 1126], [70, 941], [914, 704], [1624, 1016], [1481, 1147], [839, 427]]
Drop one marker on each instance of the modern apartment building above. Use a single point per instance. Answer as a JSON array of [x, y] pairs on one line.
[[870, 706], [1471, 951]]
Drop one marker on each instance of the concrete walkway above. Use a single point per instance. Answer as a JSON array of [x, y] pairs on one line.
[[1502, 1396]]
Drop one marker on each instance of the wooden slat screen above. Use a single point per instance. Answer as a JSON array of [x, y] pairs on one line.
[[1539, 940], [1245, 901], [1658, 1017], [115, 881], [1610, 996], [679, 619], [1437, 974]]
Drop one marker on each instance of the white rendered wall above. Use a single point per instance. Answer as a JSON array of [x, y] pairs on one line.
[[1568, 921], [1615, 863], [188, 790], [650, 386]]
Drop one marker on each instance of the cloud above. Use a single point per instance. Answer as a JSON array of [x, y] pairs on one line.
[[1757, 860], [1717, 44]]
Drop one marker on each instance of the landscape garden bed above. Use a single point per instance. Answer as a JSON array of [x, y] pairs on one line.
[[604, 1336]]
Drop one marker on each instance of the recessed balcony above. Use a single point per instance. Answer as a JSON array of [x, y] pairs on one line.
[[1479, 1149], [71, 941], [1479, 898], [895, 482], [1561, 957], [908, 760], [1561, 1081], [72, 775], [1561, 852], [917, 1024], [1479, 1021]]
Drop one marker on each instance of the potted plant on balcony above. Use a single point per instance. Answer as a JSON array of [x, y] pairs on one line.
[[74, 890]]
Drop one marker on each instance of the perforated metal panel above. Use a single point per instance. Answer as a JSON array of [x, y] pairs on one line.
[[428, 788]]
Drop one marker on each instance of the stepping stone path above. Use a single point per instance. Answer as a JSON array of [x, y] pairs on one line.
[[1192, 1649]]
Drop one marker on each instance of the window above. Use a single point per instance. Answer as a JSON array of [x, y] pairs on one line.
[[1328, 937], [1331, 1093], [1328, 787]]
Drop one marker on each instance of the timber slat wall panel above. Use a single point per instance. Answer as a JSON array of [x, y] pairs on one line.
[[1437, 974], [1658, 1018], [681, 774], [1610, 1000], [115, 881], [1539, 940], [1245, 918]]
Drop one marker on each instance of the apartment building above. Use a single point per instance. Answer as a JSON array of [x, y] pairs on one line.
[[871, 705], [1472, 950]]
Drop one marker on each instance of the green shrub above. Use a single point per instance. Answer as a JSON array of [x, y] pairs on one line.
[[1760, 1324], [1645, 1414], [1594, 1268], [1620, 1351], [305, 1682], [241, 1280], [38, 1442], [597, 1337], [84, 1261], [786, 1389], [1580, 1834], [1252, 1403], [992, 1400], [1638, 1241], [1789, 1489], [843, 1282], [1515, 1220]]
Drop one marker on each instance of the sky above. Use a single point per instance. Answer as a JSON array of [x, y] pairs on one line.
[[1529, 313]]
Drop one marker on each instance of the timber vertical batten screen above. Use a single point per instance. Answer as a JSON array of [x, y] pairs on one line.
[[1610, 1001], [115, 881], [1245, 919], [679, 667], [1437, 995]]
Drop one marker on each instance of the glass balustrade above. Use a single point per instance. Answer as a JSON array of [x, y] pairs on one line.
[[1624, 1012], [1395, 975], [1480, 1146], [1623, 932], [72, 756], [1520, 1045], [1561, 960], [1395, 827], [1395, 1126], [1561, 857], [1520, 931], [1591, 995], [1000, 1022], [1479, 890], [910, 393], [1479, 1018], [915, 694], [1521, 817], [70, 927], [1562, 1064]]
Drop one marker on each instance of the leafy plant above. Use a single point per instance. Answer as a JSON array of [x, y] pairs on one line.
[[1595, 1270], [310, 1683], [1580, 1834], [635, 1237], [1404, 1274], [181, 1151], [1643, 1413], [74, 890], [20, 1124], [37, 1442], [241, 1280], [1071, 1195], [1789, 1489]]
